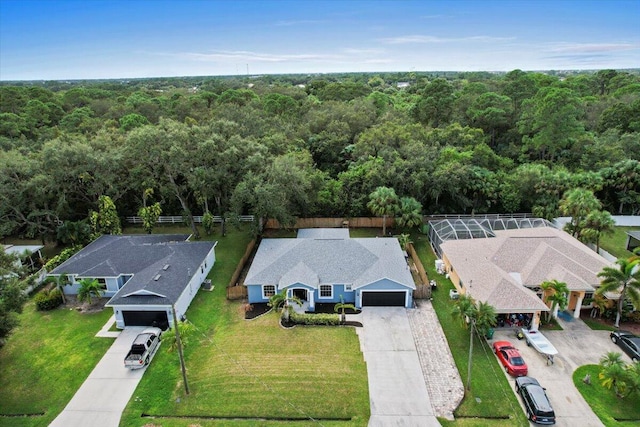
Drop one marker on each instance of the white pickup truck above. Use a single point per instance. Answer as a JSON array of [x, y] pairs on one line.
[[143, 348]]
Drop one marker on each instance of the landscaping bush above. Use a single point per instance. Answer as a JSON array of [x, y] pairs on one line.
[[48, 299], [314, 319], [61, 257]]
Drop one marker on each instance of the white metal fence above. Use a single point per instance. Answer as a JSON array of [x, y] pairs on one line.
[[178, 219]]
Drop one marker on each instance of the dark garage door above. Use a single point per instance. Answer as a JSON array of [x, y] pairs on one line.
[[145, 318], [381, 299]]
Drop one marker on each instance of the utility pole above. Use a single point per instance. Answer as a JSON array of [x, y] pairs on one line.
[[473, 326], [179, 342]]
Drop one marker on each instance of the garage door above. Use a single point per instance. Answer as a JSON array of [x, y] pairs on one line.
[[145, 318], [379, 299]]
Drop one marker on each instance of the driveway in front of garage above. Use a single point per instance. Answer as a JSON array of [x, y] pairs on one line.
[[577, 345], [397, 391], [100, 400]]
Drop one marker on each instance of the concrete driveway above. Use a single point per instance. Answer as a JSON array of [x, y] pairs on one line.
[[397, 391], [100, 400], [577, 345]]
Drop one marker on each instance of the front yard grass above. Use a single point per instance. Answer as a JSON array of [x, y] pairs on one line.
[[611, 410], [45, 361], [490, 401], [253, 372]]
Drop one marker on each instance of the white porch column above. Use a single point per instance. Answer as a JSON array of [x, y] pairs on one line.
[[312, 303], [576, 312]]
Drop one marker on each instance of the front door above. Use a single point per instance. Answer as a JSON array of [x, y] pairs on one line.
[[300, 294]]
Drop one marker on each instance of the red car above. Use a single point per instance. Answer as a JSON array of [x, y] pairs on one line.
[[510, 358]]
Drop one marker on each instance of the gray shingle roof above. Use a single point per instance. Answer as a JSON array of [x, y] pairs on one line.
[[144, 257], [313, 261]]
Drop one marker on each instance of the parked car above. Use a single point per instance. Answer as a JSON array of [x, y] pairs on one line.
[[628, 342], [535, 401], [510, 358], [143, 348]]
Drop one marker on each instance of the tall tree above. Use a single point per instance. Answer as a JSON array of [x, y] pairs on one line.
[[436, 104], [556, 292], [578, 204], [383, 202], [597, 224], [625, 280], [410, 213], [106, 219]]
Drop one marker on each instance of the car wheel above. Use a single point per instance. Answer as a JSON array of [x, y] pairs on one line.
[[146, 361], [506, 369], [614, 339], [634, 359]]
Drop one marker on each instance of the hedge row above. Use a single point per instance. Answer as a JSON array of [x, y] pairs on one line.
[[314, 319], [61, 257]]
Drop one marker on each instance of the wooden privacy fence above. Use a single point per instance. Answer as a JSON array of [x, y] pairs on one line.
[[361, 222], [236, 290], [423, 290]]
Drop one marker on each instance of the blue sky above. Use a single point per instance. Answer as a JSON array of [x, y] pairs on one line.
[[87, 39]]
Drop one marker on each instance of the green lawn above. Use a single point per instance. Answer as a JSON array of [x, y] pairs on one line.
[[256, 369], [45, 361], [611, 410], [616, 243], [490, 401], [597, 326]]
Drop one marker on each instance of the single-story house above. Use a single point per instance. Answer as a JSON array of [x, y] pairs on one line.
[[145, 275], [506, 270], [325, 265]]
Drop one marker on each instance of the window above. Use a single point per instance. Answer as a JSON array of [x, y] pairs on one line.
[[102, 283], [348, 287], [268, 291], [326, 291]]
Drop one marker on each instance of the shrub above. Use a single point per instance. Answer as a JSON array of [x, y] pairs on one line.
[[48, 299], [61, 257], [315, 319]]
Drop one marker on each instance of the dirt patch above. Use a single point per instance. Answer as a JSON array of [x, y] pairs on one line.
[[97, 304]]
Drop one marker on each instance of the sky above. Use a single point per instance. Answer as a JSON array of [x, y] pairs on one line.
[[96, 39]]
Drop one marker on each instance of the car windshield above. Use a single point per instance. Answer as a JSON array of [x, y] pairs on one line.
[[517, 361]]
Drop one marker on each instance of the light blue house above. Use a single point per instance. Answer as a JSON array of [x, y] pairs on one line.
[[323, 265]]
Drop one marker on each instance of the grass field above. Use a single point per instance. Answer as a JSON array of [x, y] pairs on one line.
[[616, 243], [612, 411], [45, 361], [490, 401]]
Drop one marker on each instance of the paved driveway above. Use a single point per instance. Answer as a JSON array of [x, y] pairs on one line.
[[100, 400], [577, 345], [397, 390]]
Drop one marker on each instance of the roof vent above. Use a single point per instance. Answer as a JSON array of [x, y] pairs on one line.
[[156, 278], [166, 266]]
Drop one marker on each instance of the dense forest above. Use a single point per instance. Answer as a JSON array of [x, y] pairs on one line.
[[316, 145]]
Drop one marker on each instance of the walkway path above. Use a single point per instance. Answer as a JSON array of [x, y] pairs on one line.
[[397, 391], [440, 373]]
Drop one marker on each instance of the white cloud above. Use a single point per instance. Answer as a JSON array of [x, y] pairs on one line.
[[242, 55], [422, 39], [592, 47]]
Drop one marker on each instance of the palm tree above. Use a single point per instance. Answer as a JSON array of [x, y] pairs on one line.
[[484, 317], [577, 204], [89, 288], [282, 301], [383, 202], [463, 309], [613, 373], [60, 281], [404, 240], [558, 297], [597, 224], [341, 307], [410, 213], [625, 279]]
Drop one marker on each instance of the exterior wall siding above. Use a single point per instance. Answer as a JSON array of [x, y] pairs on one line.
[[254, 294]]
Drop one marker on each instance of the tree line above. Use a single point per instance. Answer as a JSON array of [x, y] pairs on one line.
[[315, 145]]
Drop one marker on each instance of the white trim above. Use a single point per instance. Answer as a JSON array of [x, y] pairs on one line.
[[348, 287], [143, 292], [268, 296], [320, 292]]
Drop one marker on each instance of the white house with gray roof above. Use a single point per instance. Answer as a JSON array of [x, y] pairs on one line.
[[324, 265], [145, 275]]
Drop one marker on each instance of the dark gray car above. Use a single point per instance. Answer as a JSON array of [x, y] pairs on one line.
[[535, 401], [628, 342]]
